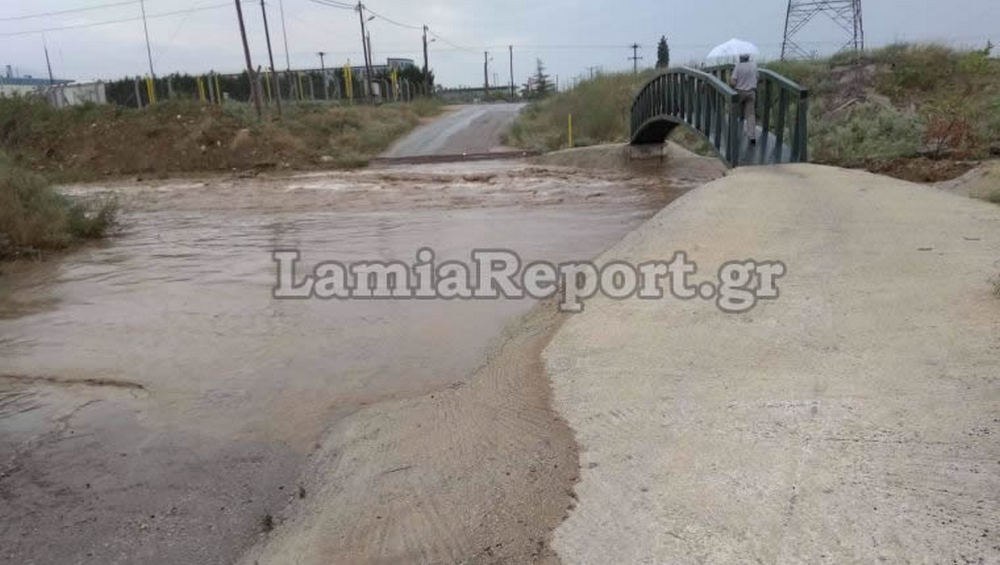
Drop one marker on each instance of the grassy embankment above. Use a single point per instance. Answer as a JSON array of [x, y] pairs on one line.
[[40, 144], [919, 112]]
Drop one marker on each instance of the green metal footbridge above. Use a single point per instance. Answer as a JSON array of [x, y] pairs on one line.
[[703, 101]]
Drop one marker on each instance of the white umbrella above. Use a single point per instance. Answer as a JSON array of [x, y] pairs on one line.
[[732, 49]]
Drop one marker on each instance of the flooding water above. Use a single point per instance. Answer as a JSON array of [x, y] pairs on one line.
[[156, 403]]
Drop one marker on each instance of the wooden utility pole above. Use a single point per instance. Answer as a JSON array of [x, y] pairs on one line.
[[322, 69], [427, 85], [270, 56], [486, 75], [510, 49], [48, 63], [254, 89], [364, 45], [145, 29]]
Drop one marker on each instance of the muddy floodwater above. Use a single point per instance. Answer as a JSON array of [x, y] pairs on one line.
[[157, 404]]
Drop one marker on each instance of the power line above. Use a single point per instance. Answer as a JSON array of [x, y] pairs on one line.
[[391, 21], [69, 11], [443, 40], [334, 4], [118, 21]]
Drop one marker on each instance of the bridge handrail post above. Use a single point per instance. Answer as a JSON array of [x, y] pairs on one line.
[[766, 118], [779, 128], [801, 127], [734, 131]]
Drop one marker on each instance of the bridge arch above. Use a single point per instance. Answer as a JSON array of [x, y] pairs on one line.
[[703, 101]]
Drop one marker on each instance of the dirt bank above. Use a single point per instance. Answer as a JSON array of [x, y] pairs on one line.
[[176, 137], [479, 472], [983, 182]]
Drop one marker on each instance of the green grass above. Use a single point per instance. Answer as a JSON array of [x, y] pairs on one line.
[[864, 132], [33, 216], [599, 106]]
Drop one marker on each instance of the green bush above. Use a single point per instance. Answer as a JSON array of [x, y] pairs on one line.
[[915, 68], [33, 215], [867, 131]]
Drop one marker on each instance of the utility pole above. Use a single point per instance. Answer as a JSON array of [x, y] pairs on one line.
[[284, 34], [254, 89], [364, 45], [322, 69], [510, 50], [486, 75], [635, 58], [270, 56], [145, 29], [48, 64], [427, 82]]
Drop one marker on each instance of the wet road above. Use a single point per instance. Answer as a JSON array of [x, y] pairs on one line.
[[466, 129], [157, 405]]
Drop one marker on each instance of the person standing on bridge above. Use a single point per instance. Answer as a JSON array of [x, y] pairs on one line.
[[744, 80]]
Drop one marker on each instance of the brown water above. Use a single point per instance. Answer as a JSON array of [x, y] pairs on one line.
[[156, 403]]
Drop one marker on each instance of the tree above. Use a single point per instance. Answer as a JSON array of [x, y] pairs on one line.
[[662, 53], [541, 86]]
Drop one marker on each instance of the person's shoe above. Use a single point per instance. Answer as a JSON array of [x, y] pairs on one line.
[[753, 141]]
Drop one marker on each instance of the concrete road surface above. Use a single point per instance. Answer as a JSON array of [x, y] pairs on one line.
[[466, 129], [854, 419]]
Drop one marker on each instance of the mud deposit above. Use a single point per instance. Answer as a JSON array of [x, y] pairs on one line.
[[158, 406]]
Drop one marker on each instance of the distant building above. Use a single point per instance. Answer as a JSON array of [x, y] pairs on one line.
[[22, 86], [59, 92], [399, 63]]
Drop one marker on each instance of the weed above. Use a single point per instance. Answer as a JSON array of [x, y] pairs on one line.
[[34, 216]]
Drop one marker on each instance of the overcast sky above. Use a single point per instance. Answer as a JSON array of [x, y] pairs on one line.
[[569, 36]]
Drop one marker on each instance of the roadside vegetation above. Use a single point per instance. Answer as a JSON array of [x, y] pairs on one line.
[[34, 217], [918, 112], [90, 142]]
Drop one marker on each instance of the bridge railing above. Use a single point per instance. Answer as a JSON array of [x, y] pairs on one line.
[[782, 110], [703, 101], [689, 96]]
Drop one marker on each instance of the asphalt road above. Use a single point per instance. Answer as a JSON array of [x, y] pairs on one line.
[[465, 129]]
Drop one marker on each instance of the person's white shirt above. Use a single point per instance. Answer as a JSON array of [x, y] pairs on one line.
[[745, 76]]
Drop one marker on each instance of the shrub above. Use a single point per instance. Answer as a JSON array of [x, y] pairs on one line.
[[600, 109], [915, 68], [864, 132], [33, 215]]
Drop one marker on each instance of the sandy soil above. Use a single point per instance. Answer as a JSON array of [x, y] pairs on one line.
[[980, 182], [481, 472]]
